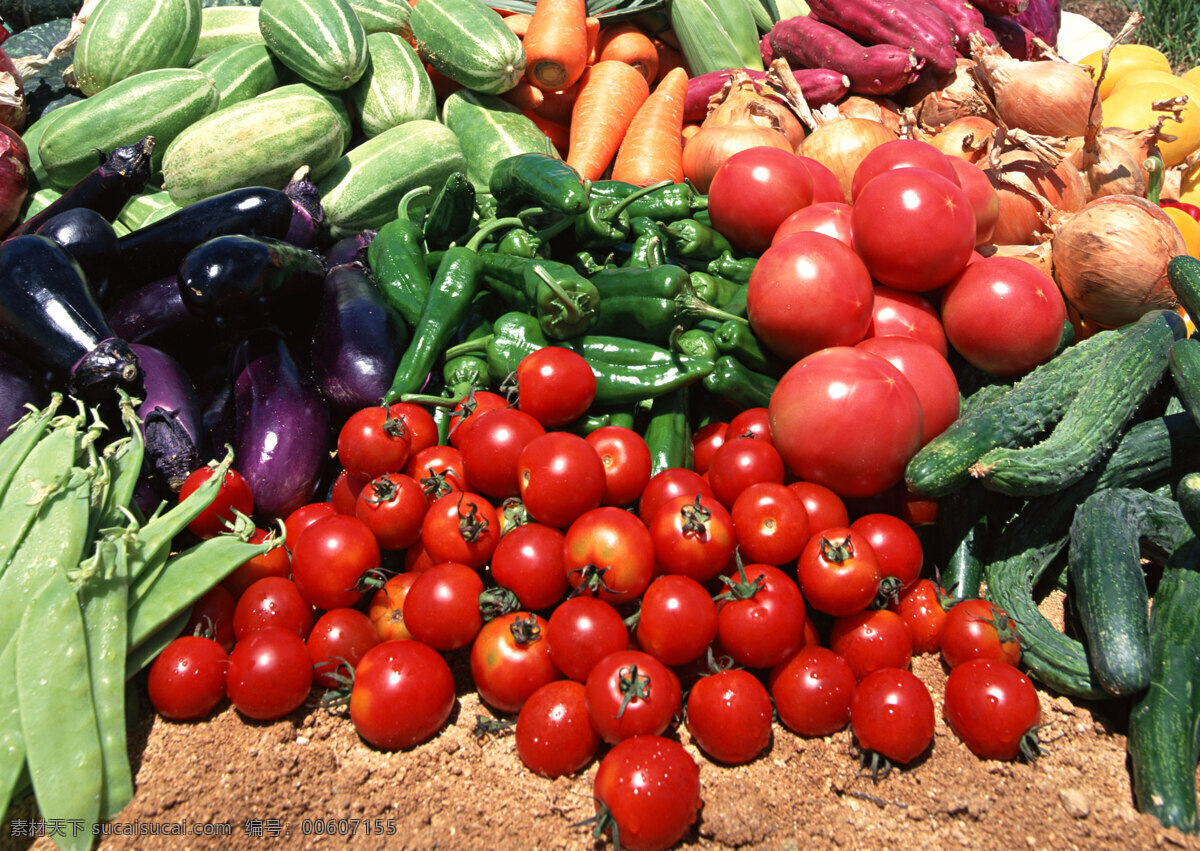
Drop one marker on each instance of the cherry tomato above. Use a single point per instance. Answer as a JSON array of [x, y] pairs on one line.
[[729, 716], [302, 518], [529, 562], [438, 470], [978, 629], [187, 679], [372, 442], [669, 483], [677, 620], [212, 617], [339, 636], [647, 792], [344, 493], [393, 507], [753, 191], [441, 608], [920, 605], [900, 313], [930, 375], [818, 412], [897, 549], [892, 715], [270, 673], [838, 572], [761, 620], [871, 640], [560, 476], [993, 708], [331, 557], [469, 411], [272, 601], [770, 523], [233, 495], [386, 609], [812, 691], [422, 427], [582, 631], [626, 460], [705, 441], [274, 562], [825, 508], [554, 735], [630, 693], [461, 527], [740, 462], [492, 448], [609, 552], [402, 695], [555, 385], [510, 660], [693, 536], [751, 422]]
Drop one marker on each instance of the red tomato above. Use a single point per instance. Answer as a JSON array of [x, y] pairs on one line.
[[809, 292], [386, 609], [609, 552], [920, 605], [491, 449], [677, 620], [729, 716], [870, 640], [826, 186], [555, 385], [422, 427], [272, 601], [705, 441], [331, 557], [929, 374], [554, 735], [187, 678], [667, 484], [461, 527], [560, 476], [270, 673], [892, 715], [770, 523], [529, 562], [753, 191], [831, 218], [819, 415], [812, 691], [900, 153], [693, 536], [581, 632], [274, 562], [393, 507], [985, 202], [233, 496], [896, 546], [441, 608], [914, 229], [403, 693], [626, 460], [979, 629], [905, 314], [993, 708], [1003, 315], [838, 572], [647, 792], [344, 493], [469, 411], [438, 469], [630, 693], [741, 462], [761, 621], [510, 660], [750, 422], [825, 508], [372, 442], [339, 636], [212, 617]]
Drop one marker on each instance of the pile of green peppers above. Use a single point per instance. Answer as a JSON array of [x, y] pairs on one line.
[[634, 279]]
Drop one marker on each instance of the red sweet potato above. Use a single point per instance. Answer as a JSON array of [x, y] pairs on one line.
[[14, 177], [878, 69], [818, 85], [965, 18], [895, 22], [1001, 8]]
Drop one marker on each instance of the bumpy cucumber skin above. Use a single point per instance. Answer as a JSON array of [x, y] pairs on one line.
[[1184, 362], [125, 37], [1183, 274]]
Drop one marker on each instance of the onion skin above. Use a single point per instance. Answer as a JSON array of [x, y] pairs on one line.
[[842, 143], [1019, 177], [966, 138], [1110, 259], [14, 177]]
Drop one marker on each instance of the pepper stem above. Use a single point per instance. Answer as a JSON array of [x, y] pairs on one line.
[[570, 307], [491, 227], [469, 347], [622, 205], [402, 207]]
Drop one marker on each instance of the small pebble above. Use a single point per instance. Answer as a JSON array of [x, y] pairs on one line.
[[1076, 803]]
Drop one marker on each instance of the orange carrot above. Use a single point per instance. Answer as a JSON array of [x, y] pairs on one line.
[[557, 106], [668, 57], [518, 22], [593, 35], [690, 129], [557, 133], [610, 94], [628, 43], [442, 85], [524, 96], [556, 43], [652, 149]]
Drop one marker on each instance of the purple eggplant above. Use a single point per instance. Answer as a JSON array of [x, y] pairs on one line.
[[19, 386], [50, 317], [281, 429], [91, 240], [357, 340], [230, 276], [308, 215], [349, 249], [172, 420], [153, 313]]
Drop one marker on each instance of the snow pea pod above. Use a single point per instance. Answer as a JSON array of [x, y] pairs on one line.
[[12, 743], [24, 436]]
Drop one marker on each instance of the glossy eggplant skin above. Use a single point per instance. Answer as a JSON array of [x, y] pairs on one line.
[[19, 386], [231, 276], [357, 340], [281, 428], [172, 420], [152, 314], [91, 240], [156, 250], [349, 249], [50, 317]]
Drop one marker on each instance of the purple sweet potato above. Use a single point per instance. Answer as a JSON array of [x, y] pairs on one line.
[[878, 69], [1042, 18], [1001, 8], [965, 18], [895, 22], [819, 86]]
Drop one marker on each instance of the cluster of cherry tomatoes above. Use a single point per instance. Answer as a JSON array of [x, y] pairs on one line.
[[596, 601]]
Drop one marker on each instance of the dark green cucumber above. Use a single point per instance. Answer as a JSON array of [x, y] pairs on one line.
[[1093, 420], [1183, 274], [1164, 727], [1013, 416], [1187, 494], [961, 534], [1184, 362], [1108, 584]]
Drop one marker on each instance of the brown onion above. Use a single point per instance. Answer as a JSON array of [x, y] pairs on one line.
[[1110, 259], [1038, 256], [967, 137], [939, 98], [840, 144], [1035, 187], [876, 107], [740, 95]]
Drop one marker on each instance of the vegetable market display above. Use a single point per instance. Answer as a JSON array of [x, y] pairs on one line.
[[661, 359]]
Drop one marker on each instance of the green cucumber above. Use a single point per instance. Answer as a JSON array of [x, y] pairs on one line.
[[32, 137], [125, 37], [146, 207], [396, 87], [1183, 274], [258, 142], [1184, 363], [1008, 416], [468, 42], [1108, 585], [161, 103], [365, 186], [379, 16], [1187, 494], [225, 26], [241, 71], [321, 40], [335, 100], [1164, 726], [491, 129], [1094, 418]]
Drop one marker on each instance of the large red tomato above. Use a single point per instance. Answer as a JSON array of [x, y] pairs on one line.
[[930, 375], [831, 218], [900, 153], [809, 292], [985, 202], [846, 419], [908, 314], [753, 191]]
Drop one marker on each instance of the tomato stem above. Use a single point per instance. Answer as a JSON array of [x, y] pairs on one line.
[[837, 552], [633, 686], [470, 525], [494, 602], [525, 629], [695, 519]]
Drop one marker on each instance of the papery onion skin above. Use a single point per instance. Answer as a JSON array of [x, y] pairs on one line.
[[1110, 259], [1021, 177], [966, 138], [1046, 97], [841, 144]]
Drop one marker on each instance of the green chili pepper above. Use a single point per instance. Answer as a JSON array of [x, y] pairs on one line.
[[648, 251], [657, 282], [451, 212], [653, 316], [454, 289], [565, 302], [731, 380], [534, 178], [695, 342], [667, 203], [606, 222], [519, 242], [738, 340], [599, 416], [716, 290], [465, 373], [688, 238], [668, 434], [586, 263], [396, 257], [733, 268]]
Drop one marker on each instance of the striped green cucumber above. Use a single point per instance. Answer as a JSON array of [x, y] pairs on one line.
[[335, 101], [32, 137], [366, 184], [1012, 416], [160, 103], [1108, 584], [468, 42], [1184, 363], [1183, 274], [258, 142], [396, 87], [1094, 418], [144, 208], [321, 40], [241, 71], [379, 16], [225, 26], [1164, 727], [125, 37], [491, 129]]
